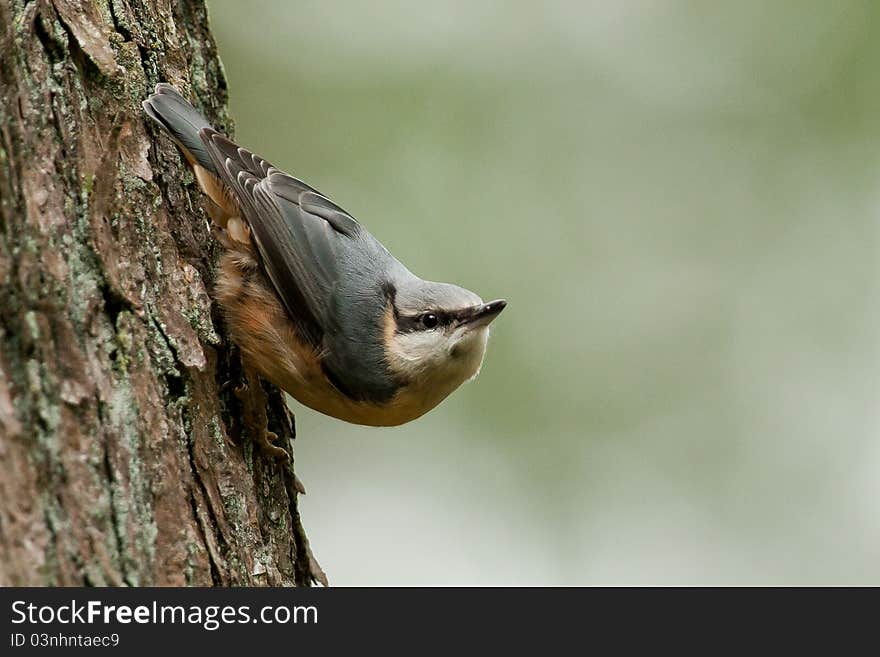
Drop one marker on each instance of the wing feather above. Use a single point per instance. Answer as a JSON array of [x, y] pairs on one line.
[[307, 246], [297, 247]]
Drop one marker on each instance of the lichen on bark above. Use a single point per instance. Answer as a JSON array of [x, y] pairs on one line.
[[121, 459]]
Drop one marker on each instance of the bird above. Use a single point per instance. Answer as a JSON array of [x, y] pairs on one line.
[[316, 305]]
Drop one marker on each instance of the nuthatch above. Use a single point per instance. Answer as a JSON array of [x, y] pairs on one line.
[[315, 303]]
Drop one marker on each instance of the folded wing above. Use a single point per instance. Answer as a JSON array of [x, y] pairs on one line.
[[306, 243]]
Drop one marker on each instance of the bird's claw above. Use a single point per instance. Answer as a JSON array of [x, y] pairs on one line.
[[254, 401], [265, 442]]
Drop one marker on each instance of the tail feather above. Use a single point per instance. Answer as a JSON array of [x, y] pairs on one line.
[[182, 121]]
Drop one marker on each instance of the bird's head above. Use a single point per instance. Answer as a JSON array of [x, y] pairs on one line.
[[436, 333]]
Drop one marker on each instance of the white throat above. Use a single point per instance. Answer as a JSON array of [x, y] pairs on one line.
[[436, 363]]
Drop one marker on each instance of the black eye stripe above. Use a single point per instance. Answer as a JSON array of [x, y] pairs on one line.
[[409, 323]]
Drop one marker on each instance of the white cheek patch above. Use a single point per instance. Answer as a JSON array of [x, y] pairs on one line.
[[432, 356], [417, 350]]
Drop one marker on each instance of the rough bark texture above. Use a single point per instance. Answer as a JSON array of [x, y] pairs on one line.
[[120, 457]]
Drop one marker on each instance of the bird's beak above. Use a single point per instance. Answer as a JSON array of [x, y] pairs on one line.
[[482, 315]]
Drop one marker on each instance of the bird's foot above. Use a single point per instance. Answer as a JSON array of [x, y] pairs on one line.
[[265, 441], [253, 400]]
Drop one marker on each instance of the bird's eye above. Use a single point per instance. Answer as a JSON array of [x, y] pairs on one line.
[[429, 320]]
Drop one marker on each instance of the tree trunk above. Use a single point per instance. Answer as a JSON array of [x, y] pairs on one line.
[[121, 456]]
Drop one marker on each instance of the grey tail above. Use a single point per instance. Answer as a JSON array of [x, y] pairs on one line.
[[182, 121]]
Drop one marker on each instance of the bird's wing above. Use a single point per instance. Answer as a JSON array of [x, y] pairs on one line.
[[298, 233], [307, 245]]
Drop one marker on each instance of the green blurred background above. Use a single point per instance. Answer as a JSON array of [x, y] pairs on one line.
[[679, 200]]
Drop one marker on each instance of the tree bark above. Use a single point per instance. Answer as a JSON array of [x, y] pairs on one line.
[[122, 461]]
